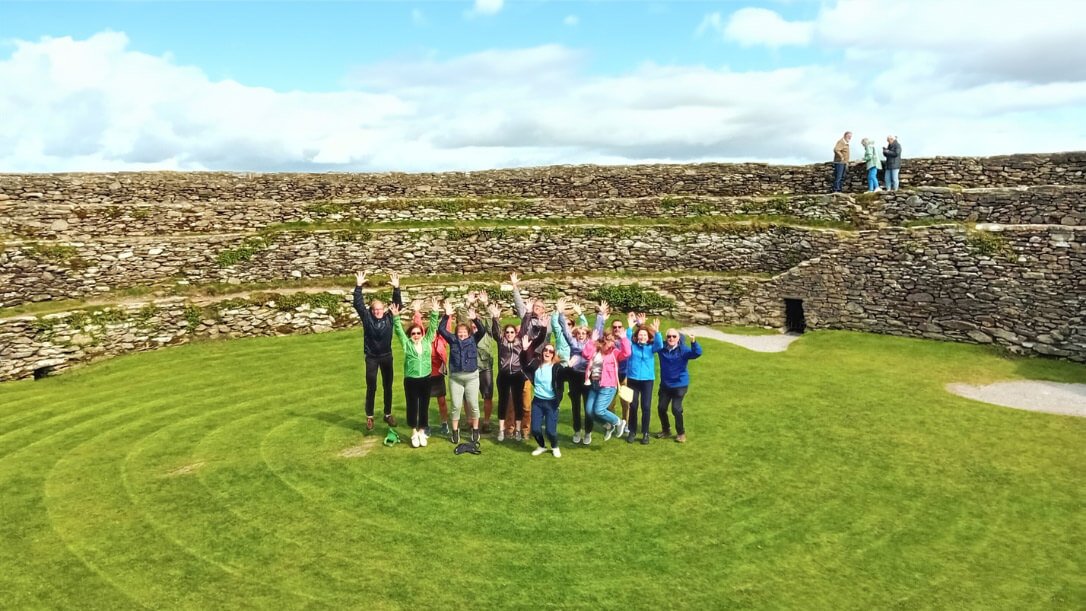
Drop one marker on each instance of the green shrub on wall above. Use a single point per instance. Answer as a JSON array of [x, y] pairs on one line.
[[988, 244], [633, 298], [244, 252]]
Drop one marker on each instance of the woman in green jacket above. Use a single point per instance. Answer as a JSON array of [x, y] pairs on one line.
[[416, 370]]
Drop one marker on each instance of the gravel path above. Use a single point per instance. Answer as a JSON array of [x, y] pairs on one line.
[[757, 343], [1049, 397]]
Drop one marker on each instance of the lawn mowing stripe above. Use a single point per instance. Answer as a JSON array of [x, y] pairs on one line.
[[102, 444]]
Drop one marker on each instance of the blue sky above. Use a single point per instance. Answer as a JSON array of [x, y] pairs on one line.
[[471, 84]]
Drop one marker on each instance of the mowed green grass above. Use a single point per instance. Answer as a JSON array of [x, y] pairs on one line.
[[838, 474]]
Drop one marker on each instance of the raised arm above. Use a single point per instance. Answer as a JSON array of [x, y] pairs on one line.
[[658, 341], [443, 332], [695, 348], [431, 331], [624, 350], [397, 326], [359, 301], [517, 301], [480, 328], [560, 328], [396, 297]]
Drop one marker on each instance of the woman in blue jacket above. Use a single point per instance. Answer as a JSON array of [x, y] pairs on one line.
[[674, 380], [645, 341]]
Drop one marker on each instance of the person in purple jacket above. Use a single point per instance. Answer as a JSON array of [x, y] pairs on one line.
[[674, 380]]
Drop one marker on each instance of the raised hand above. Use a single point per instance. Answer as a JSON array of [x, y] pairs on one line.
[[416, 305], [595, 335], [359, 278], [561, 304], [641, 318], [484, 298], [577, 309], [631, 318], [514, 279], [525, 341], [435, 304], [468, 299], [656, 323], [692, 338], [472, 314], [449, 307], [495, 310], [604, 309], [395, 309], [394, 278]]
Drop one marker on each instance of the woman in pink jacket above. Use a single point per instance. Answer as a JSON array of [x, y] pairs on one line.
[[601, 377]]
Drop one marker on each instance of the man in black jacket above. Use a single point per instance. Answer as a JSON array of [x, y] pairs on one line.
[[377, 327], [892, 166]]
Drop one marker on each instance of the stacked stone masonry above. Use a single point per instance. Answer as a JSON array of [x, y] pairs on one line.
[[1020, 283]]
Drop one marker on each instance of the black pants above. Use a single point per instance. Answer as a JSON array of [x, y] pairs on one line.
[[373, 364], [417, 391], [642, 396], [577, 391], [674, 396], [511, 383]]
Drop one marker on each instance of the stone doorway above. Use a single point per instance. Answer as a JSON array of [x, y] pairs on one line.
[[794, 320]]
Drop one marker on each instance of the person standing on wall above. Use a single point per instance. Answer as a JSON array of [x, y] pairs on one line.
[[892, 151], [377, 345], [874, 163], [840, 161]]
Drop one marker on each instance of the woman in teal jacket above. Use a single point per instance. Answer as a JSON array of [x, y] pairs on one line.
[[645, 342]]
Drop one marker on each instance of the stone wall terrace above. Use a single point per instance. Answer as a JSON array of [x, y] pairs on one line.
[[32, 272], [581, 181]]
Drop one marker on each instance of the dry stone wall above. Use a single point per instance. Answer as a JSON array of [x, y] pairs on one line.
[[1023, 287], [580, 181], [57, 342], [30, 272]]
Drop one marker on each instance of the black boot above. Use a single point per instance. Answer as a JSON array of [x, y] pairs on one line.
[[630, 437], [645, 439], [475, 436]]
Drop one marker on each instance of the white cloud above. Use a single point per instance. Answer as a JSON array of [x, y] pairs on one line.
[[571, 20], [96, 104], [762, 27], [488, 7], [418, 17]]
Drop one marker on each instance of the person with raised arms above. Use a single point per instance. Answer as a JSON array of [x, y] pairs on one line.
[[641, 371], [510, 375], [417, 346], [674, 380], [546, 372], [377, 345], [487, 348], [601, 376], [575, 340], [463, 351]]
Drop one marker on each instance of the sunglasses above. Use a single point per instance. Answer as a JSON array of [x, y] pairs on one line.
[[546, 350], [617, 327], [673, 337], [510, 331], [416, 333]]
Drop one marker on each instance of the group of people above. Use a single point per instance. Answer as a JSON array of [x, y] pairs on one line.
[[539, 361], [888, 160]]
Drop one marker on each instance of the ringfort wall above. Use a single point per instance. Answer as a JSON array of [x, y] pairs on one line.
[[983, 250]]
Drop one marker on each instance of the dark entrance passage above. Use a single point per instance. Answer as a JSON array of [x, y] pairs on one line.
[[794, 321]]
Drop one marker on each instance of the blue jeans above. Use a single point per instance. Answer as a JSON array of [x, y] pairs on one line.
[[599, 401], [838, 176], [545, 411], [872, 182], [891, 178]]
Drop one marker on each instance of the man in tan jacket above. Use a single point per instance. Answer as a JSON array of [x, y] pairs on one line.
[[840, 161]]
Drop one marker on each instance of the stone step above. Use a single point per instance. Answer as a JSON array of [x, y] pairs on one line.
[[32, 219]]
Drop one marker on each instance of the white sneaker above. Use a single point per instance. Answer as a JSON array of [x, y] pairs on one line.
[[557, 453], [587, 439], [621, 428], [577, 437], [422, 439], [501, 434], [538, 451], [415, 439], [610, 431]]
